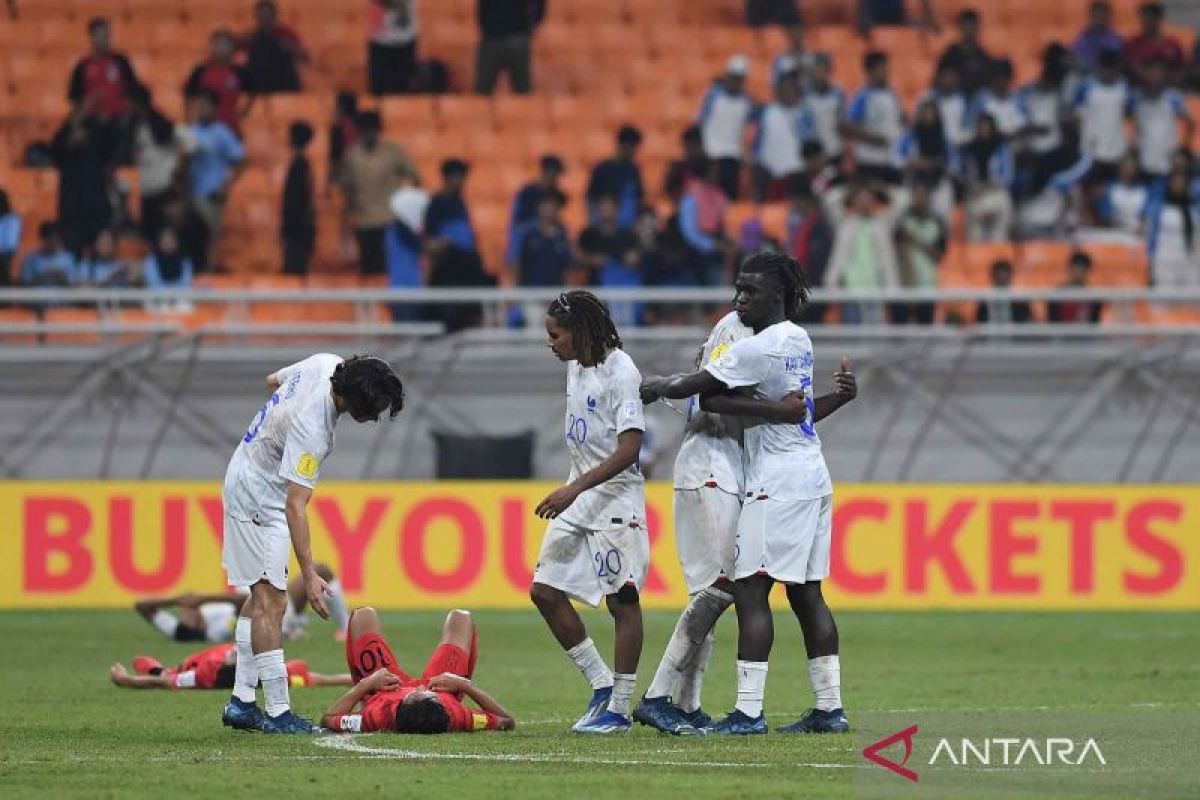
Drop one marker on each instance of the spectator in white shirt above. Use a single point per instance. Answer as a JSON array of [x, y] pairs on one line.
[[998, 100], [1125, 201], [1044, 105], [392, 49], [1157, 110], [783, 126], [724, 115], [795, 57], [1172, 236], [875, 122], [952, 104], [827, 105], [987, 172], [1101, 104]]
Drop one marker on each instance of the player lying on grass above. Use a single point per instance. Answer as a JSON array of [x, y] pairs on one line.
[[211, 668], [268, 486], [596, 545], [785, 525], [211, 617], [385, 698]]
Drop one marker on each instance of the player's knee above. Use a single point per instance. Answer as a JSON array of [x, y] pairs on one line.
[[624, 602], [364, 620], [545, 597], [459, 616]]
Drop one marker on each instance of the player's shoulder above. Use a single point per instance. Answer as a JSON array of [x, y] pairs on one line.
[[619, 364]]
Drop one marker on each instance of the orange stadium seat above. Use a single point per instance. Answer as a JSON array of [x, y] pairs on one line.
[[1116, 264], [979, 257], [17, 316], [1043, 263], [74, 316]]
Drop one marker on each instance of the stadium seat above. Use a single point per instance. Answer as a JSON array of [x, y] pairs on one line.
[[74, 316], [979, 257], [17, 316]]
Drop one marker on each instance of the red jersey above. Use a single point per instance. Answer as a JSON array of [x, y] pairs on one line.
[[199, 670], [106, 80], [379, 713], [1141, 49], [228, 82]]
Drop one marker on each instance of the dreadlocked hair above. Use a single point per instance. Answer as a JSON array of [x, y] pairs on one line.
[[586, 317], [790, 275], [368, 386]]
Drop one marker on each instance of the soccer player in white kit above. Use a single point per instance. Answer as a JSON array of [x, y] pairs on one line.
[[596, 545], [709, 481], [785, 525], [268, 485]]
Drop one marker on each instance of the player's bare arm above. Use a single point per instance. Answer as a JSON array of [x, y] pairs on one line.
[[379, 681], [121, 677], [273, 382], [677, 387], [629, 444], [296, 509], [449, 682], [790, 409]]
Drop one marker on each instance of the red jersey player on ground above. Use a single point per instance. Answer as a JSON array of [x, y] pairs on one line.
[[393, 701], [211, 668]]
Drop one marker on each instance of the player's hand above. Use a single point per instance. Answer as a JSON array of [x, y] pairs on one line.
[[189, 600], [382, 680], [651, 389], [557, 502], [449, 682], [845, 385], [117, 673], [317, 590]]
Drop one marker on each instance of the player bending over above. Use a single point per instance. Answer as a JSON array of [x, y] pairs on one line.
[[212, 668], [389, 700], [211, 617], [268, 485], [596, 545], [709, 481], [785, 525]]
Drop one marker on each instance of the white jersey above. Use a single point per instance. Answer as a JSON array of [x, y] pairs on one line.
[[711, 451], [287, 441], [603, 402], [783, 461]]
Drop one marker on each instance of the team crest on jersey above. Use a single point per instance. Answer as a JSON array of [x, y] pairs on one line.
[[591, 403], [306, 467], [719, 351]]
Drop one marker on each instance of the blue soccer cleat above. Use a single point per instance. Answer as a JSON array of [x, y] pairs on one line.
[[291, 723], [663, 715], [596, 706], [697, 719], [605, 723], [738, 724], [817, 721], [242, 716]]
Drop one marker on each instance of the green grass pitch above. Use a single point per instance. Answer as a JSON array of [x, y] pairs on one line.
[[1130, 681]]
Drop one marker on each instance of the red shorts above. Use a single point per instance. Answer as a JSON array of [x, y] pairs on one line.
[[370, 652]]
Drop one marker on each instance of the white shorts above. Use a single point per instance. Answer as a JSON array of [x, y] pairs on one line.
[[219, 621], [256, 551], [706, 526], [785, 539], [590, 564]]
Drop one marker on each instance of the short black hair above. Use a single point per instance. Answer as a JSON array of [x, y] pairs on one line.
[[551, 162], [968, 15], [1109, 58], [1082, 258], [873, 59], [368, 386], [422, 716], [454, 166], [1001, 68], [347, 103], [629, 135], [591, 325], [788, 272], [300, 133], [96, 23], [369, 121]]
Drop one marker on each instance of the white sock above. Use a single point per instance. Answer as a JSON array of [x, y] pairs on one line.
[[693, 676], [245, 674], [273, 673], [622, 691], [165, 622], [751, 683], [591, 664], [697, 620], [339, 610], [825, 672]]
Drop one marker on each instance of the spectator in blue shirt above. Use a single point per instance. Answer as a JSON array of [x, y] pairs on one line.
[[620, 177], [540, 252], [10, 238], [215, 161], [447, 220], [52, 264], [525, 203], [103, 266], [167, 267], [1098, 36]]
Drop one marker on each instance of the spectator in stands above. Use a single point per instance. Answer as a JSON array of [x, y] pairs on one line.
[[796, 57], [505, 34], [540, 252], [951, 103], [864, 256], [525, 203], [372, 170], [967, 55], [1126, 200], [1044, 106], [827, 105], [1152, 45], [892, 13], [167, 266], [52, 264], [987, 171], [79, 151], [606, 244], [216, 160], [701, 221], [619, 176], [180, 215], [103, 267], [274, 52], [783, 125], [925, 154], [230, 82], [1172, 221], [1076, 311], [809, 241], [761, 13], [158, 149], [101, 86], [921, 238], [343, 131], [10, 238], [450, 243], [392, 47], [999, 310], [724, 115], [687, 166], [298, 226], [1101, 103], [404, 246], [1098, 36], [875, 122], [660, 260], [1157, 111], [997, 99]]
